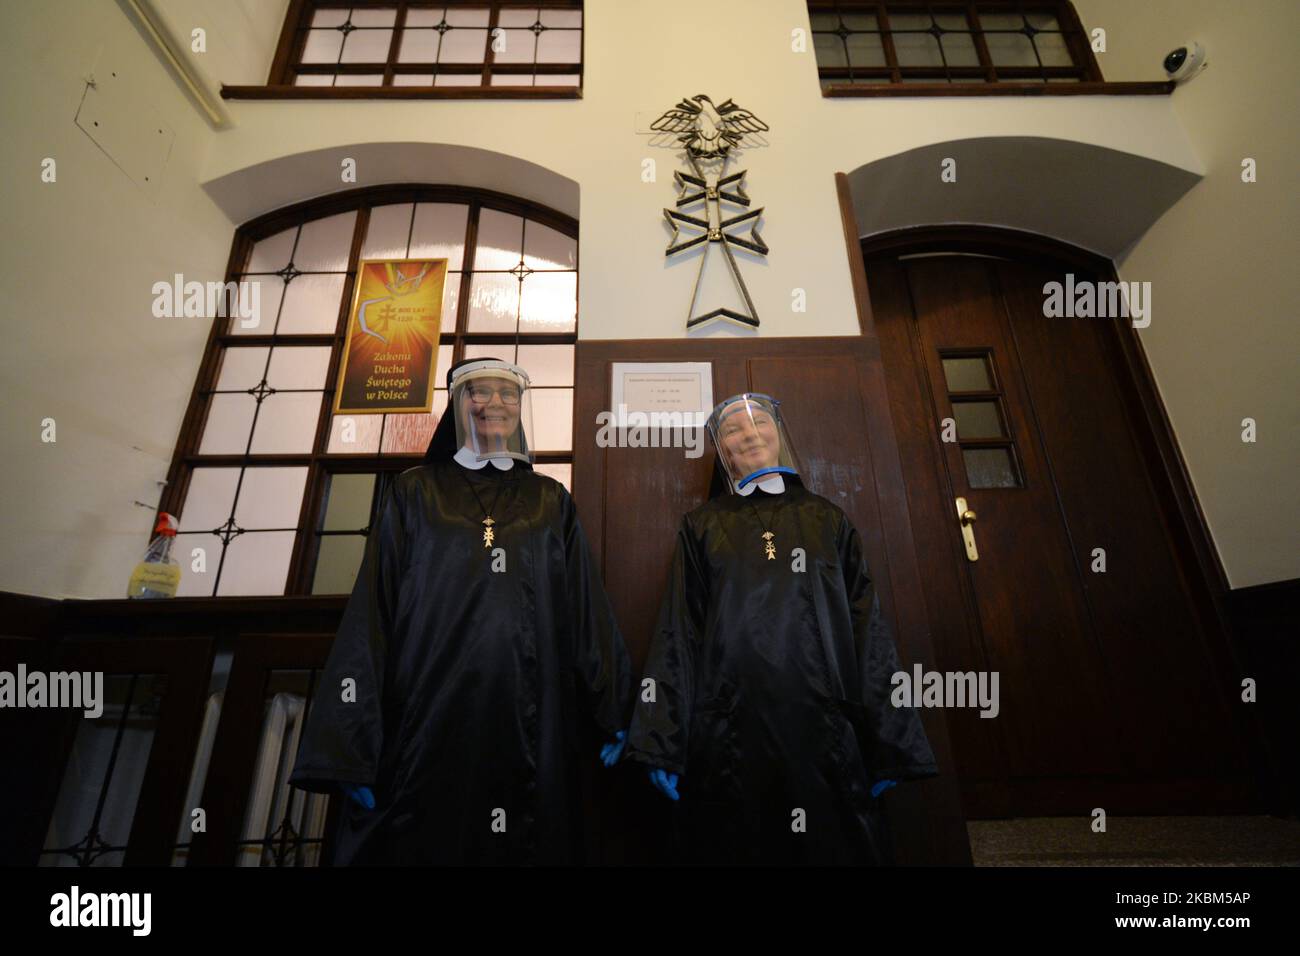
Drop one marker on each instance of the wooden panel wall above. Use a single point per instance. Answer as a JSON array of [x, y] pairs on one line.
[[631, 501]]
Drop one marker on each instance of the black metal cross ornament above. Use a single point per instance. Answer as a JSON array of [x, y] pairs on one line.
[[709, 133]]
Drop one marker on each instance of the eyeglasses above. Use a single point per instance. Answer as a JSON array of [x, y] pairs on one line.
[[482, 394], [733, 425]]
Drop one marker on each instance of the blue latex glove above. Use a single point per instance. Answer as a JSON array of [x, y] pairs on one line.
[[881, 786], [362, 796], [610, 753], [665, 783]]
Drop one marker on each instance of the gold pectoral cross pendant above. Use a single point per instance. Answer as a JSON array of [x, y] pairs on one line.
[[768, 546], [488, 533]]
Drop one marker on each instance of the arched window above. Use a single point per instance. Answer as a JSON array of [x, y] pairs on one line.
[[276, 490]]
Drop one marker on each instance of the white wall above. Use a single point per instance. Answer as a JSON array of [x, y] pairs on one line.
[[1222, 342], [80, 257], [640, 60]]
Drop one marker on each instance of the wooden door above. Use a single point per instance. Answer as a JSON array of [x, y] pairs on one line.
[[1114, 687]]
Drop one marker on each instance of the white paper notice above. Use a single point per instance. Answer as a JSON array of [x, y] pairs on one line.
[[666, 387]]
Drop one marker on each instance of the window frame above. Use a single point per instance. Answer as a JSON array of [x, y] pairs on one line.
[[320, 463], [284, 66], [984, 79]]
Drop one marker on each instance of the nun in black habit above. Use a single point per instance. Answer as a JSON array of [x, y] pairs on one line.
[[771, 723], [477, 661]]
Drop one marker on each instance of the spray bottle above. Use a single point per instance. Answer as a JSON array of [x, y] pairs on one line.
[[159, 574]]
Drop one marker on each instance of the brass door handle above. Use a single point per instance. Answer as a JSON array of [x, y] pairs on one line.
[[966, 517]]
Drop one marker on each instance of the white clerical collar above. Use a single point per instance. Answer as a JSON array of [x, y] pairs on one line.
[[773, 484], [467, 458]]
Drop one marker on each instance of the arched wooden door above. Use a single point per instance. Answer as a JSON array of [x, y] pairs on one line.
[[1116, 685]]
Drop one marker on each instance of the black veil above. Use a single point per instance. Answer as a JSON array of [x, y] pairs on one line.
[[720, 484]]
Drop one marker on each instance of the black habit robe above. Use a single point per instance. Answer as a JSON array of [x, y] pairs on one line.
[[772, 687], [473, 687]]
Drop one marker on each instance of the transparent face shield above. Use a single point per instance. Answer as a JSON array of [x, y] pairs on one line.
[[494, 411], [751, 439]]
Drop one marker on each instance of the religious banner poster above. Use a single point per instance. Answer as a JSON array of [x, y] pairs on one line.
[[391, 351]]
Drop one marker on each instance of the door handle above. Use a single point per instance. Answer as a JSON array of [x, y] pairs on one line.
[[966, 517]]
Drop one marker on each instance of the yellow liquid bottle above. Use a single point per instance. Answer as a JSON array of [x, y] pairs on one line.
[[158, 575]]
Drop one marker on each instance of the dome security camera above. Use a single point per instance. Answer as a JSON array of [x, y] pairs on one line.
[[1185, 62]]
